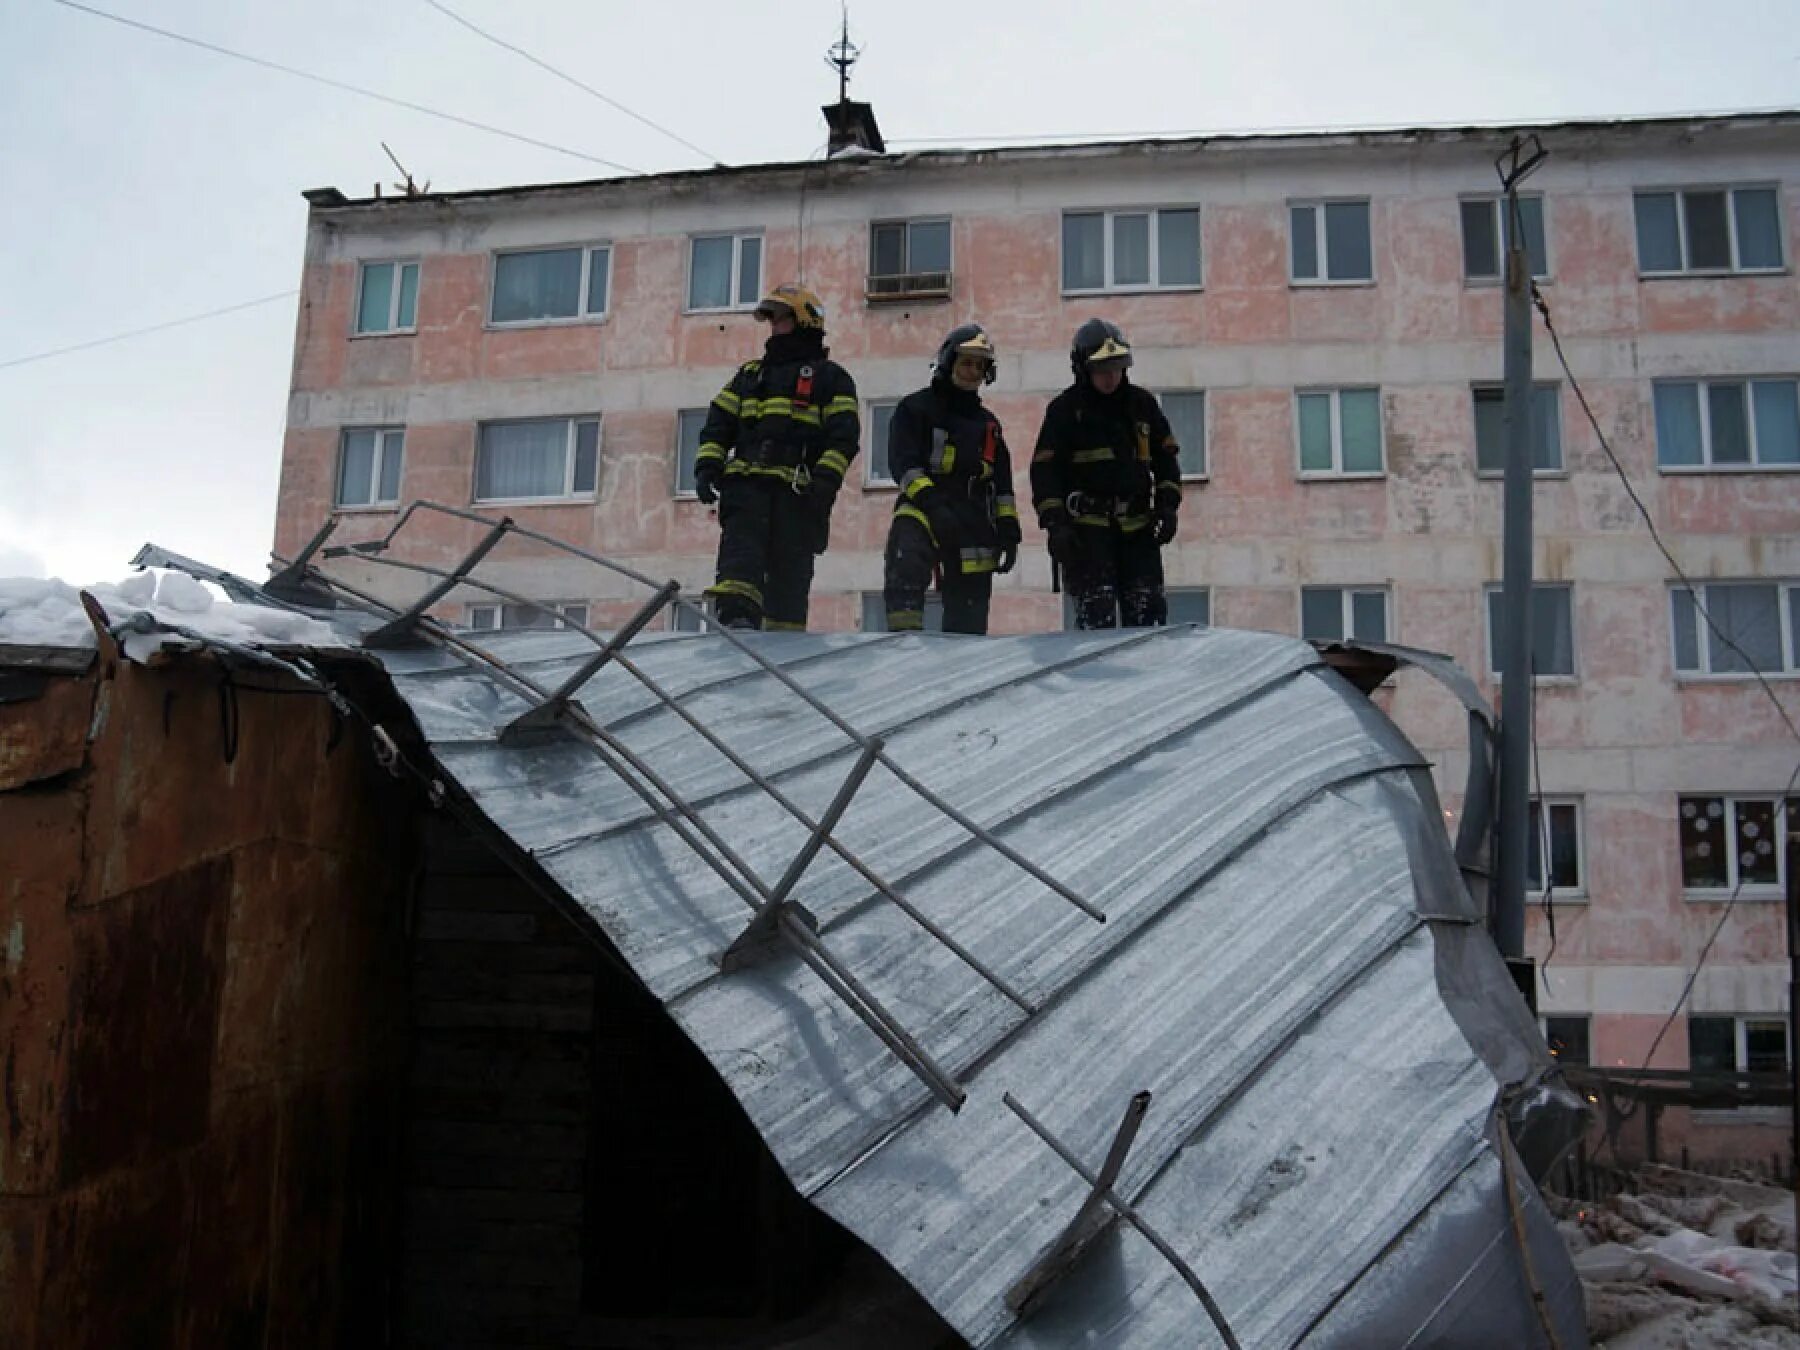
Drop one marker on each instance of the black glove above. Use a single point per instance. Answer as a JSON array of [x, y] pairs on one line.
[[1065, 544], [1163, 523], [1006, 530], [707, 474], [821, 496]]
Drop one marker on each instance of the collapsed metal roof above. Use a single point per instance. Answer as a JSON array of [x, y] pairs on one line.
[[1290, 965]]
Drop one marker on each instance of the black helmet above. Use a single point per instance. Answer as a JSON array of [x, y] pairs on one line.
[[1098, 340], [970, 339]]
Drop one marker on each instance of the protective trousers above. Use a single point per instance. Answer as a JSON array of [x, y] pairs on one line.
[[1116, 576], [765, 569], [912, 556]]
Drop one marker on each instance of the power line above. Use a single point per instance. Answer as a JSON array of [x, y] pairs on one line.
[[144, 332], [1687, 987], [611, 102], [348, 88], [1543, 308]]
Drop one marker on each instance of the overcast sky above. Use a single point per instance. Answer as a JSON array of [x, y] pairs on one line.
[[142, 180]]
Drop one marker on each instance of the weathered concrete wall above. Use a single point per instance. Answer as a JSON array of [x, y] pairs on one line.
[[202, 1002], [1626, 736]]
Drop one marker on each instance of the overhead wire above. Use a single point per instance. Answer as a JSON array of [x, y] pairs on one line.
[[145, 332], [537, 61], [1687, 988], [330, 83]]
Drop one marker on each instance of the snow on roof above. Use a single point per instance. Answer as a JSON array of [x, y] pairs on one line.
[[151, 611]]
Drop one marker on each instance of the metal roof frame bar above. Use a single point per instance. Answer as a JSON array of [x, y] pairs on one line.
[[1103, 1191], [400, 630], [674, 705], [1012, 855], [751, 943], [546, 716]]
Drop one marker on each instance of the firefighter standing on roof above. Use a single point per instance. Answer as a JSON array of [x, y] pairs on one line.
[[777, 442], [956, 516], [1106, 484]]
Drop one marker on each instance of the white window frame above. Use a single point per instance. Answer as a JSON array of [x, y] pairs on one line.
[[1317, 205], [1346, 609], [1790, 640], [1206, 414], [1489, 619], [1580, 890], [583, 314], [1760, 890], [1111, 287], [568, 494], [399, 265], [1537, 387], [1703, 386], [1730, 190], [1337, 470], [1495, 203], [569, 613], [737, 238], [383, 435], [677, 620], [1740, 1055], [676, 491], [872, 480], [906, 223]]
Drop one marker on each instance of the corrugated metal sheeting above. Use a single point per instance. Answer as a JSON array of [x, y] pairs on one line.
[[1290, 965]]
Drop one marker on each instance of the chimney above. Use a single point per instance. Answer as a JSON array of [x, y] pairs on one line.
[[852, 124]]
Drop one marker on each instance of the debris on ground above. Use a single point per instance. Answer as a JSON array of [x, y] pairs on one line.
[[1683, 1261]]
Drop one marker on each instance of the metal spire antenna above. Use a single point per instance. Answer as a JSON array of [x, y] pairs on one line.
[[843, 54]]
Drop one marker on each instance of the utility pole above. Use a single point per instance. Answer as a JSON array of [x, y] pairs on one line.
[[1511, 847]]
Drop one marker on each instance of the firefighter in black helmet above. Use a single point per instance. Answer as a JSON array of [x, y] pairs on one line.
[[956, 516], [778, 439], [1106, 484]]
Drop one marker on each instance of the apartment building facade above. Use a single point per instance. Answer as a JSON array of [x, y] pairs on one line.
[[1321, 317]]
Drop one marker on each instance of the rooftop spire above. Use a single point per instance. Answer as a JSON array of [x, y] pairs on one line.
[[852, 124]]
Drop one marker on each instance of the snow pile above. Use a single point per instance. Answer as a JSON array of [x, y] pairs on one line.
[[1686, 1261], [38, 613]]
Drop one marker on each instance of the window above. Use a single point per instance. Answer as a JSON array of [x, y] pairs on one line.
[[1555, 833], [1747, 424], [909, 259], [369, 466], [684, 620], [1754, 1044], [552, 457], [1187, 604], [874, 612], [1755, 627], [1567, 1036], [387, 299], [881, 416], [1546, 429], [1334, 613], [1131, 250], [548, 614], [1186, 411], [1486, 235], [725, 271], [544, 284], [1339, 431], [689, 423], [1732, 842], [1330, 242], [1552, 630], [1708, 230]]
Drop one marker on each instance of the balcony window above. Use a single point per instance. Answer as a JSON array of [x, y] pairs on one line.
[[909, 259]]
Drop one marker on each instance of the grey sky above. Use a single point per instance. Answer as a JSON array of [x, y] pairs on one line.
[[143, 181]]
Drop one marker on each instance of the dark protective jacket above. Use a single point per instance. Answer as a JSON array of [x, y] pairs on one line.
[[1115, 450], [948, 454], [793, 413]]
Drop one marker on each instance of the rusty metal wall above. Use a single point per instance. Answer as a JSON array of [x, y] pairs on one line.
[[204, 891]]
